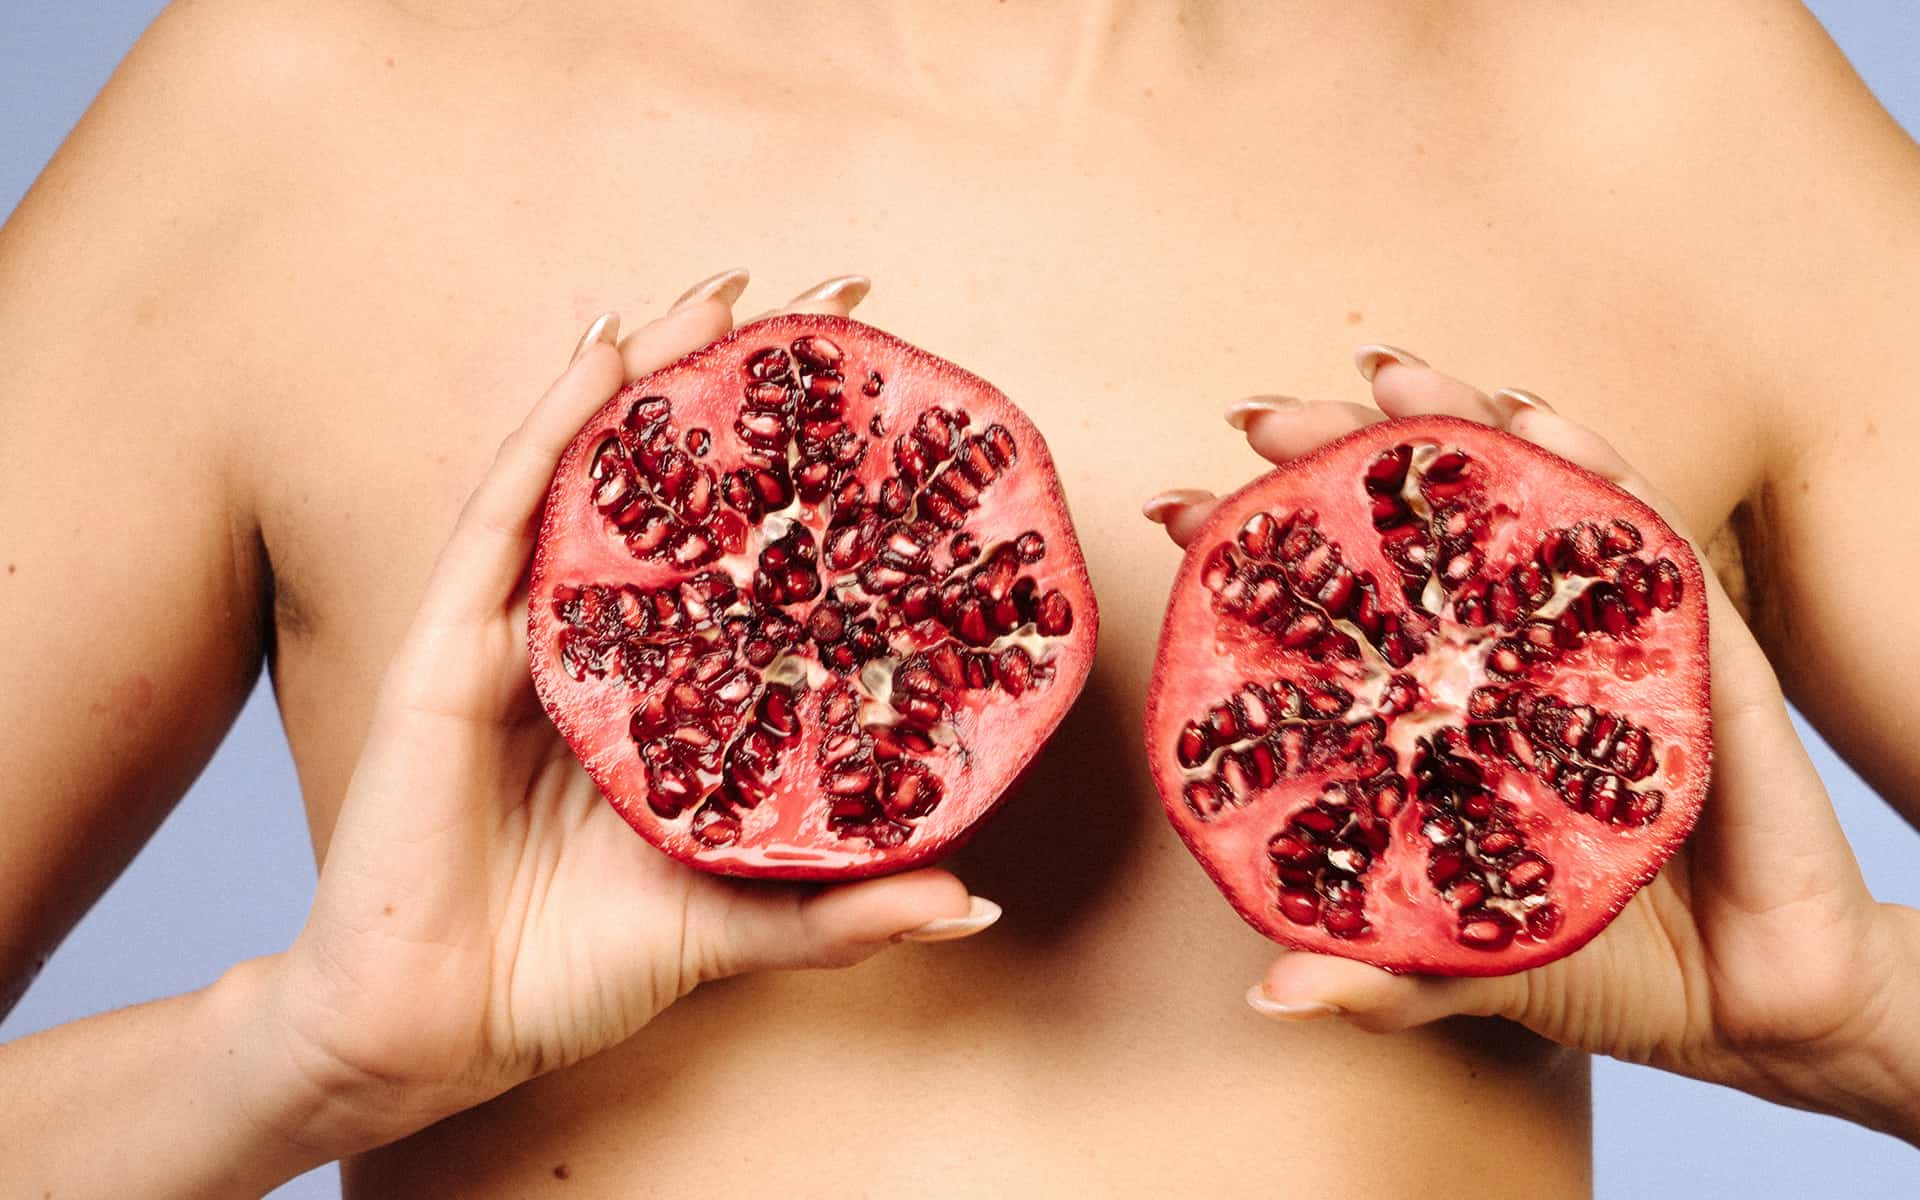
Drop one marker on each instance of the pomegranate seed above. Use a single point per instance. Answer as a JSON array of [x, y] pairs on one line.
[[923, 709], [1316, 821], [1014, 669], [1486, 929], [1204, 799], [1260, 535], [1344, 921], [1530, 874], [1667, 585], [1299, 906], [1499, 843], [1544, 921], [1388, 470], [715, 827]]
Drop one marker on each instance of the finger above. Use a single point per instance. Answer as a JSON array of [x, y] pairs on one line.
[[1768, 835], [1405, 386], [493, 538], [1307, 987], [835, 297], [1182, 511], [711, 304], [790, 928], [1280, 428]]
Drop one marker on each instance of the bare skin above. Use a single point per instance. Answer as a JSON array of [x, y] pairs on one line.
[[301, 270]]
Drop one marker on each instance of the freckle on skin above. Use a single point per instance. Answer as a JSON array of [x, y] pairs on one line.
[[387, 909], [562, 1172], [1355, 316]]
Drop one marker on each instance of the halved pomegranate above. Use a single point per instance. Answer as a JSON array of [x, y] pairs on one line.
[[1433, 698], [806, 602]]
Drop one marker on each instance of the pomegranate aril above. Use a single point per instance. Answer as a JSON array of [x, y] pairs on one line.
[[715, 826], [670, 789], [1260, 536], [1467, 893], [1318, 821], [1204, 799], [1344, 921], [1544, 921], [1445, 866], [1014, 670], [909, 790], [1529, 874], [1389, 796], [1194, 746], [1642, 808], [1667, 586], [1499, 843], [1300, 905], [1486, 929]]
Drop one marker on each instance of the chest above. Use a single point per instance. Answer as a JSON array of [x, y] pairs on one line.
[[1121, 277]]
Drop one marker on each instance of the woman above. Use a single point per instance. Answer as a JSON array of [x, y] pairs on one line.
[[304, 265]]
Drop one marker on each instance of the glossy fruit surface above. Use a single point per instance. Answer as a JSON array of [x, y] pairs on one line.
[[806, 602], [1433, 698]]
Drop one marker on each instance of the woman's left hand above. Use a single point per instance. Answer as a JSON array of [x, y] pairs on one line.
[[1757, 958]]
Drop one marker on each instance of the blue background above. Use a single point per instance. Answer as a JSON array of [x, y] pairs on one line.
[[230, 874]]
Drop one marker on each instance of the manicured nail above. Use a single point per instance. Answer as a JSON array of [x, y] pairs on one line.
[[1160, 507], [724, 287], [1258, 1001], [605, 328], [1240, 412], [1372, 357], [981, 913], [848, 289], [1523, 399]]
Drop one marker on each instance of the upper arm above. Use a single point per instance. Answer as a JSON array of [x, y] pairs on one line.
[[132, 573], [1825, 191]]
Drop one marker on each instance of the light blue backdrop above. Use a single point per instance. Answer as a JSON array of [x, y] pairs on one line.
[[230, 874]]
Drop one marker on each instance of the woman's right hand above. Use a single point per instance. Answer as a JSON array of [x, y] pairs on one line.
[[1757, 958], [483, 914]]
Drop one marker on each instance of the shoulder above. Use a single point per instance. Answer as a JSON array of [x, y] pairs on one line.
[[1734, 141]]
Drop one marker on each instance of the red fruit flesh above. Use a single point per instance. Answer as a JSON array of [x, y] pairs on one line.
[[1433, 698], [807, 601]]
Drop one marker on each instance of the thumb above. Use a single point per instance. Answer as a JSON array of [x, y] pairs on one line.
[[1306, 987], [796, 927]]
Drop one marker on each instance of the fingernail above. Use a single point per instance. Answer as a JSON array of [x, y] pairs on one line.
[[724, 287], [1523, 399], [981, 913], [1371, 358], [850, 288], [1156, 509], [1240, 412], [1259, 1002], [605, 328]]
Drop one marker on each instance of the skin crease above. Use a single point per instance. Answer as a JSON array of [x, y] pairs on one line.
[[310, 264]]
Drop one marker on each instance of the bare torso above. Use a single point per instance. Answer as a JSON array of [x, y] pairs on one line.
[[1124, 222]]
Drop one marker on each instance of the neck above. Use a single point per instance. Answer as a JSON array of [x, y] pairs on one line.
[[982, 55]]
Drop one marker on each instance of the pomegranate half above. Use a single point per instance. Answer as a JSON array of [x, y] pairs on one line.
[[1433, 698], [807, 601]]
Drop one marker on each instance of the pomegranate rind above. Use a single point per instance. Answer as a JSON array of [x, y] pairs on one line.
[[1411, 926], [788, 836]]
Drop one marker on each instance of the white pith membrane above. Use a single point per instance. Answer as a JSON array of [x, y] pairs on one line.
[[1443, 727], [719, 750]]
